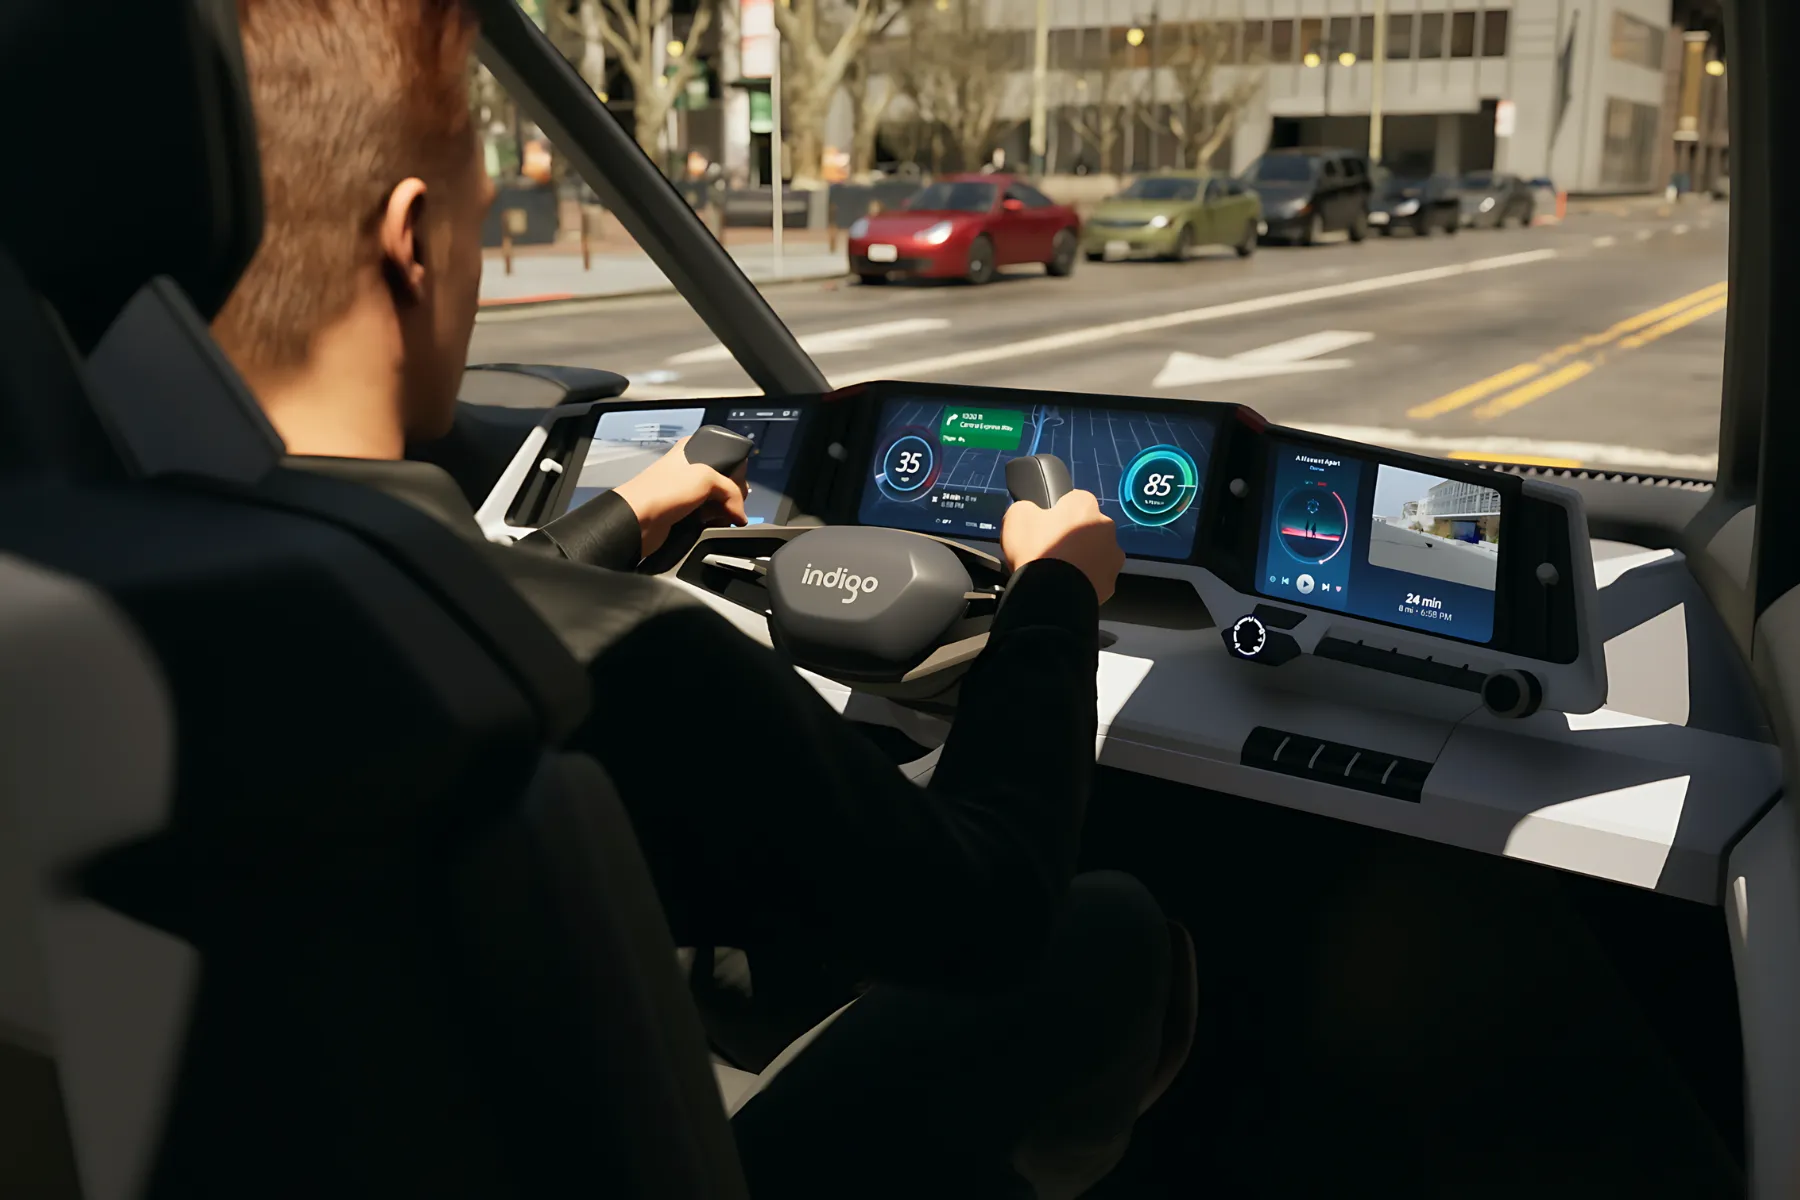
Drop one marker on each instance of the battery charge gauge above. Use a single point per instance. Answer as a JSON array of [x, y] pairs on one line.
[[1158, 485]]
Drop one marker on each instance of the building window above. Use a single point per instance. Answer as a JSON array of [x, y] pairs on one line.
[[1462, 35], [1312, 36], [1636, 41], [1400, 36], [1630, 142], [1343, 36], [1256, 41], [1493, 33], [1431, 35], [1365, 37], [1281, 41]]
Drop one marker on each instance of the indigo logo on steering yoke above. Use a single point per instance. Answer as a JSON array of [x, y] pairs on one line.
[[839, 577]]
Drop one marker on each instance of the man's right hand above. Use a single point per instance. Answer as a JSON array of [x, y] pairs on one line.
[[1075, 531]]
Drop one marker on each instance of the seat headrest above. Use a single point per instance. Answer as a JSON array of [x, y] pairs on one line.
[[162, 178]]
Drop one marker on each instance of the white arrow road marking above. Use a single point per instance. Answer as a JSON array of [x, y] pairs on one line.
[[831, 341], [1282, 358], [1070, 339]]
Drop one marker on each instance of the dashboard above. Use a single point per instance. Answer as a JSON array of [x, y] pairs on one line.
[[939, 466], [1429, 647]]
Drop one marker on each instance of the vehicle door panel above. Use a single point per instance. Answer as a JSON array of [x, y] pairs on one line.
[[1034, 225], [1210, 214], [1246, 209], [1006, 232], [1331, 194]]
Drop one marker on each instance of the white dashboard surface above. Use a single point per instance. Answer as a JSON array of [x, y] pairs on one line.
[[1651, 790]]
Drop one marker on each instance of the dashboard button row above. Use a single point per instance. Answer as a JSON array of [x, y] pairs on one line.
[[1332, 762]]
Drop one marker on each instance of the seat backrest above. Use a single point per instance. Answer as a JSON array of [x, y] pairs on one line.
[[316, 906]]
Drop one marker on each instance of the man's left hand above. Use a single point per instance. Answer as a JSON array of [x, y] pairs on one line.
[[672, 488]]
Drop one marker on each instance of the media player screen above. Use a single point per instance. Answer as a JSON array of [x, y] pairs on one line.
[[1381, 542]]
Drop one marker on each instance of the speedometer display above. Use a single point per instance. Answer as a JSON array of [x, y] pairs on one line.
[[939, 465]]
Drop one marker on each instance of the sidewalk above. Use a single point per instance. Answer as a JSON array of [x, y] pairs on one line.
[[547, 273], [1640, 205]]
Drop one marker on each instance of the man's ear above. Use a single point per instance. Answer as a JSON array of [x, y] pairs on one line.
[[403, 238]]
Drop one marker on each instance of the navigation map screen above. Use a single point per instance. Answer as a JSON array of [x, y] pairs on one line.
[[627, 440], [1380, 542], [940, 467]]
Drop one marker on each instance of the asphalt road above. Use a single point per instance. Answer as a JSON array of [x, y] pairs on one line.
[[1596, 342]]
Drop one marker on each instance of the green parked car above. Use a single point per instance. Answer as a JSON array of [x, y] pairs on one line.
[[1170, 214]]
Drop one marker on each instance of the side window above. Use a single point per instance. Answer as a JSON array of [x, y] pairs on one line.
[[1029, 196], [1215, 191], [1333, 172]]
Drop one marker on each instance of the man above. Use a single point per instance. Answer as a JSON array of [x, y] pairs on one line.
[[1015, 1022]]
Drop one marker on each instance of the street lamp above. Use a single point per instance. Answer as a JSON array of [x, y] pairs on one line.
[[1715, 67], [1134, 36], [1324, 55], [675, 48]]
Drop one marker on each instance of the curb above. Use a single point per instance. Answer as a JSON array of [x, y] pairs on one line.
[[507, 303]]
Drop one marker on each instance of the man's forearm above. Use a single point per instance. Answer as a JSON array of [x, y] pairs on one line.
[[604, 532]]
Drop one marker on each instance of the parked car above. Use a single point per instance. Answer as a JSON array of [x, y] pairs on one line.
[[1309, 193], [1543, 196], [1422, 205], [1170, 214], [1491, 199], [966, 227]]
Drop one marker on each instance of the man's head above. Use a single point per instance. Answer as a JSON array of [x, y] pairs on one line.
[[353, 321]]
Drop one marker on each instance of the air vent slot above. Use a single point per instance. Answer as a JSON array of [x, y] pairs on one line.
[[1427, 670], [1332, 762], [530, 508]]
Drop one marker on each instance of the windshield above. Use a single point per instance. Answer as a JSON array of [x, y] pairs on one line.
[[1161, 189], [954, 197], [1577, 324], [1280, 168]]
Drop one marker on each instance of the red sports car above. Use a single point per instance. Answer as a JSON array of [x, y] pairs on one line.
[[966, 227]]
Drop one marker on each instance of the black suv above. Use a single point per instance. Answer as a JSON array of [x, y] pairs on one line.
[[1309, 193]]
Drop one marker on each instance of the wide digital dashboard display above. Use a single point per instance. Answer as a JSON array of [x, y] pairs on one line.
[[1381, 542], [939, 466]]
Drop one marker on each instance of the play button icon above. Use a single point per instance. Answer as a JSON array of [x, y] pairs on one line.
[[1305, 584]]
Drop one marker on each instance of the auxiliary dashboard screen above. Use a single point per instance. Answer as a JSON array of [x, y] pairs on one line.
[[1381, 542], [939, 466], [625, 441]]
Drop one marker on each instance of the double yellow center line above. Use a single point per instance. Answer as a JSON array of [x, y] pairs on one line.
[[1518, 386]]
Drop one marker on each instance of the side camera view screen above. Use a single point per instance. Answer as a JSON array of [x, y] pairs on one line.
[[940, 467], [625, 441], [1384, 543]]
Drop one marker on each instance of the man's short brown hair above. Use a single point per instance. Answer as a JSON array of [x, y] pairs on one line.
[[351, 97]]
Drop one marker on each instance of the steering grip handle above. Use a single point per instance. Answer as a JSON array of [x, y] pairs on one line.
[[714, 446], [1042, 479], [722, 449]]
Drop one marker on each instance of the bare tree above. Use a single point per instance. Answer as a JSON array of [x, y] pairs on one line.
[[631, 31], [581, 36], [1207, 105], [955, 72], [870, 98], [820, 40], [1102, 103]]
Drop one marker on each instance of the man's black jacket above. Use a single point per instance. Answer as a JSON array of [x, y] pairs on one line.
[[766, 816]]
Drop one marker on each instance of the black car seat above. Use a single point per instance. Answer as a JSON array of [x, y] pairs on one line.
[[300, 898]]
